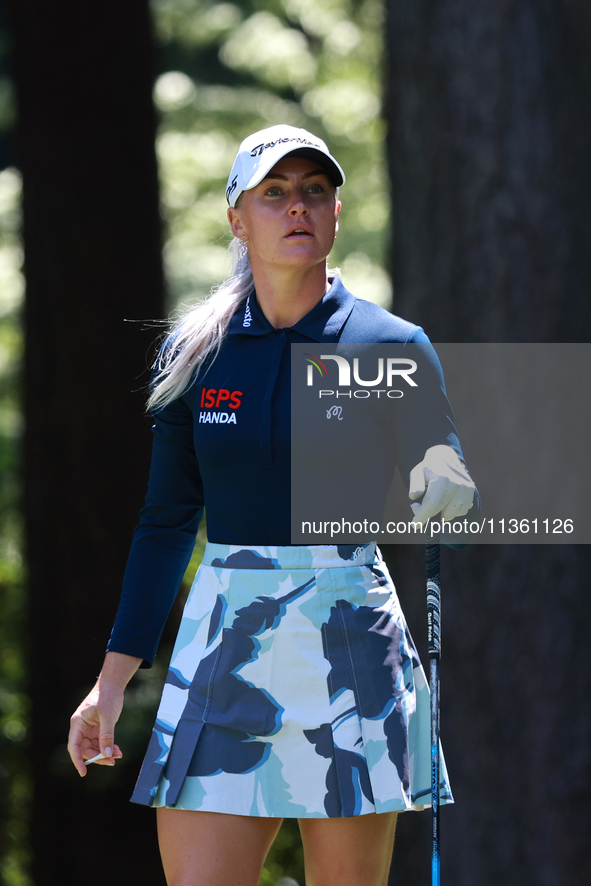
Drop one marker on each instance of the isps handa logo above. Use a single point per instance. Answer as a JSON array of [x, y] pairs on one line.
[[388, 371], [213, 403]]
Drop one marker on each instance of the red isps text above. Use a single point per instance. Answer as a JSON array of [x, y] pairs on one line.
[[212, 398]]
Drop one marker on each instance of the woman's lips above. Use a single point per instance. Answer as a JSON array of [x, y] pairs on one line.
[[299, 233]]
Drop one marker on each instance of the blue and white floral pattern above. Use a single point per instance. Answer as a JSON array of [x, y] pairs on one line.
[[294, 690]]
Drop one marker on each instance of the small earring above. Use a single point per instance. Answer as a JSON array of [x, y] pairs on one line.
[[244, 237]]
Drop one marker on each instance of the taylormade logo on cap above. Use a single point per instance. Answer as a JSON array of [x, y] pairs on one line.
[[259, 153], [283, 141]]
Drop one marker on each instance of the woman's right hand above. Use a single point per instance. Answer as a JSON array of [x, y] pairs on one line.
[[92, 726]]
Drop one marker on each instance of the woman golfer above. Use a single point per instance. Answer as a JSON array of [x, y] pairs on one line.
[[294, 688]]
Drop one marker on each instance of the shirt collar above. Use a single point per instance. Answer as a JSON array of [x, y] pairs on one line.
[[322, 324]]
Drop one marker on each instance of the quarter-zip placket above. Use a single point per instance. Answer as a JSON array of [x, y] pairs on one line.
[[280, 340]]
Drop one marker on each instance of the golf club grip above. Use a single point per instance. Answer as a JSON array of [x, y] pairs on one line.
[[432, 555]]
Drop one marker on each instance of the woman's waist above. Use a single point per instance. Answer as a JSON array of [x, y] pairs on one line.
[[234, 556]]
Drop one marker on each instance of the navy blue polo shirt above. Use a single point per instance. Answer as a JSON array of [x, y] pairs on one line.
[[225, 443]]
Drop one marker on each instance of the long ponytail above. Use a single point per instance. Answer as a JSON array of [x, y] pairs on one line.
[[199, 332]]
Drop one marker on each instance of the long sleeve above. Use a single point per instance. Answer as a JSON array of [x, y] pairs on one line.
[[164, 539], [425, 417], [427, 421]]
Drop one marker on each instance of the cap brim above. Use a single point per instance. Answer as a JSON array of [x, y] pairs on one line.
[[330, 166]]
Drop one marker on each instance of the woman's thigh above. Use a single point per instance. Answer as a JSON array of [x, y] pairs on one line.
[[348, 851], [213, 849]]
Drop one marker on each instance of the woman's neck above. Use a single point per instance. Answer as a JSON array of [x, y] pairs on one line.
[[285, 297]]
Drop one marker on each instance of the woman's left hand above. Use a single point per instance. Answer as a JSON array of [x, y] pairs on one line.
[[442, 478]]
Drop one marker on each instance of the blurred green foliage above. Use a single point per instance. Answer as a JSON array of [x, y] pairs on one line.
[[7, 104], [14, 702], [14, 786], [226, 70]]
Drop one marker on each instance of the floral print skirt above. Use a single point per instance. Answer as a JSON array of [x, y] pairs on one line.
[[294, 690]]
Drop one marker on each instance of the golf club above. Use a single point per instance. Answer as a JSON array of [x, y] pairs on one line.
[[432, 554]]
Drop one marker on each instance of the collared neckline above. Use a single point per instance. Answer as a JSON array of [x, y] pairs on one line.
[[322, 324]]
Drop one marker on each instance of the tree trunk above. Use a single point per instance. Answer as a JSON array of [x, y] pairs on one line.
[[489, 112], [86, 131], [489, 136]]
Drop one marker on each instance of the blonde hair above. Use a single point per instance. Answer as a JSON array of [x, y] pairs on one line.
[[199, 332]]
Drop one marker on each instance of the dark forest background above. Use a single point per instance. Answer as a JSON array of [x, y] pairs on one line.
[[465, 130]]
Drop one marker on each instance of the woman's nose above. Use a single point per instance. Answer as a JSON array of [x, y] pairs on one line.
[[298, 204], [298, 207]]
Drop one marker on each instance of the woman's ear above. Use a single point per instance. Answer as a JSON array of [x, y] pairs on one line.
[[236, 223]]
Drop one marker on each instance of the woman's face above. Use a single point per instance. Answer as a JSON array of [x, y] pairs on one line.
[[290, 218]]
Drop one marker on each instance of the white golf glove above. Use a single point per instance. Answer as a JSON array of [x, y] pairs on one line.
[[445, 483]]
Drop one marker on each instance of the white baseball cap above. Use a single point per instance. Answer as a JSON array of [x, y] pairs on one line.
[[259, 153]]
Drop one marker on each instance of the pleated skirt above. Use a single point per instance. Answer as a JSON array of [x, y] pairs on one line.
[[294, 691]]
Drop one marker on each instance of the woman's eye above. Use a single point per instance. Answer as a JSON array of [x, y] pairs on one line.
[[316, 189], [273, 192]]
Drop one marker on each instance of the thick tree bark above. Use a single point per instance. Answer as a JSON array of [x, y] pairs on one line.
[[488, 106], [489, 110], [92, 252]]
